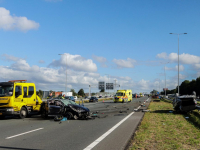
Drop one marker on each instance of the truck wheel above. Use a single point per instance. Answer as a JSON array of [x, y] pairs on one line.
[[123, 101], [23, 113]]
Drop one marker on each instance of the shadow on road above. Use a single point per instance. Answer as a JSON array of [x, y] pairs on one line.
[[4, 147]]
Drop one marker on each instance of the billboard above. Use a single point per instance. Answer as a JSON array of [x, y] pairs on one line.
[[109, 86], [101, 85], [165, 88]]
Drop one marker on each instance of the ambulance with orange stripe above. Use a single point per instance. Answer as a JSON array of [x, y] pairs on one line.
[[123, 96]]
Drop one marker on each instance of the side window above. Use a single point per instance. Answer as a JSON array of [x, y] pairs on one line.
[[129, 93], [30, 91], [25, 91], [18, 91]]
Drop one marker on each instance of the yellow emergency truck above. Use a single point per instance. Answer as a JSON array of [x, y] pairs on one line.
[[18, 98], [123, 96]]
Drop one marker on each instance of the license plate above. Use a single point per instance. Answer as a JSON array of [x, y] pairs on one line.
[[0, 113]]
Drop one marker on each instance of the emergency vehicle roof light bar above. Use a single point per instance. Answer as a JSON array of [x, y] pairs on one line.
[[20, 81]]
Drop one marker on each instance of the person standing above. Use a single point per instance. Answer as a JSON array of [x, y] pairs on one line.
[[50, 96]]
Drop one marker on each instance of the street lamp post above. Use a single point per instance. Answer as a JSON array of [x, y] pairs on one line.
[[178, 56], [66, 75], [165, 77]]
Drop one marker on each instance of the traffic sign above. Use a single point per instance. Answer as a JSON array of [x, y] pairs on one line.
[[109, 86], [101, 85]]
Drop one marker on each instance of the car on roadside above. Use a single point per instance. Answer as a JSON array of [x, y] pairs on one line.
[[184, 103], [93, 99], [100, 96], [64, 107]]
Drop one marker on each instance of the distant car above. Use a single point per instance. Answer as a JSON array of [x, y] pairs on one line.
[[75, 97], [86, 97], [133, 95], [93, 99], [64, 107], [100, 96], [70, 98]]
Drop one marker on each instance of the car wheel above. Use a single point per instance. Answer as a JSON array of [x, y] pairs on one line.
[[2, 117], [69, 115], [44, 112], [23, 113]]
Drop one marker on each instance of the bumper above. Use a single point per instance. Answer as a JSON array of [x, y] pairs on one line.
[[188, 108], [118, 100], [7, 111]]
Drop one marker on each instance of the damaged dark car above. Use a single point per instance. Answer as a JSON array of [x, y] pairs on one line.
[[184, 103], [64, 107]]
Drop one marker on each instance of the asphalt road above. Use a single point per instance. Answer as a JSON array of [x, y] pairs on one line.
[[111, 129]]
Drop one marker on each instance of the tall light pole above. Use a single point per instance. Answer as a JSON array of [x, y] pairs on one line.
[[178, 56], [66, 74], [165, 77]]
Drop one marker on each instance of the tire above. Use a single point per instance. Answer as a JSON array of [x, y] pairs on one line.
[[44, 112], [69, 115], [23, 113], [123, 101], [2, 117]]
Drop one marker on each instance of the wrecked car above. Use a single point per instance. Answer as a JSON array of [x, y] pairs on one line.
[[64, 107], [184, 103]]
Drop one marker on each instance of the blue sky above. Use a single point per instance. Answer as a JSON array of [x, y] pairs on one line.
[[125, 40]]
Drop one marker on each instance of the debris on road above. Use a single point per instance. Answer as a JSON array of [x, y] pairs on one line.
[[145, 110]]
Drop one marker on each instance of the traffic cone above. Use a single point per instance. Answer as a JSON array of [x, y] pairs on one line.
[[103, 101]]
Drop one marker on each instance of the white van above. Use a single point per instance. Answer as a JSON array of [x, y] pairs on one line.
[[75, 97]]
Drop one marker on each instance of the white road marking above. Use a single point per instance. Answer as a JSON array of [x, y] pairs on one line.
[[92, 145], [24, 133]]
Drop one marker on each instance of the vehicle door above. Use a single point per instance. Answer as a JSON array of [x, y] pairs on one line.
[[55, 108], [31, 98], [18, 97], [25, 95]]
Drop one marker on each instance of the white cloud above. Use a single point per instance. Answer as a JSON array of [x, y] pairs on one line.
[[129, 63], [197, 66], [181, 68], [183, 58], [162, 55], [75, 62], [9, 57], [41, 61], [101, 60], [8, 22]]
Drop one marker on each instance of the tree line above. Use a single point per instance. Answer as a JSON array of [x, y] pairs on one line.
[[80, 93], [186, 88]]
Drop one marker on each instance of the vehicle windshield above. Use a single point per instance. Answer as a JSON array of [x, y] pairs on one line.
[[119, 94], [6, 90], [67, 102]]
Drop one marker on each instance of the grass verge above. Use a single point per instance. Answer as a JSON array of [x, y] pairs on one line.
[[160, 129]]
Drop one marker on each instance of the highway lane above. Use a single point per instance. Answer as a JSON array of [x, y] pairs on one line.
[[73, 134]]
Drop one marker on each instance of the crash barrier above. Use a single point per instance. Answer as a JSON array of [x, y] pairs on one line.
[[87, 101]]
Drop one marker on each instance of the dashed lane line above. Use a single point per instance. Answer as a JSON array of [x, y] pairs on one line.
[[23, 133]]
